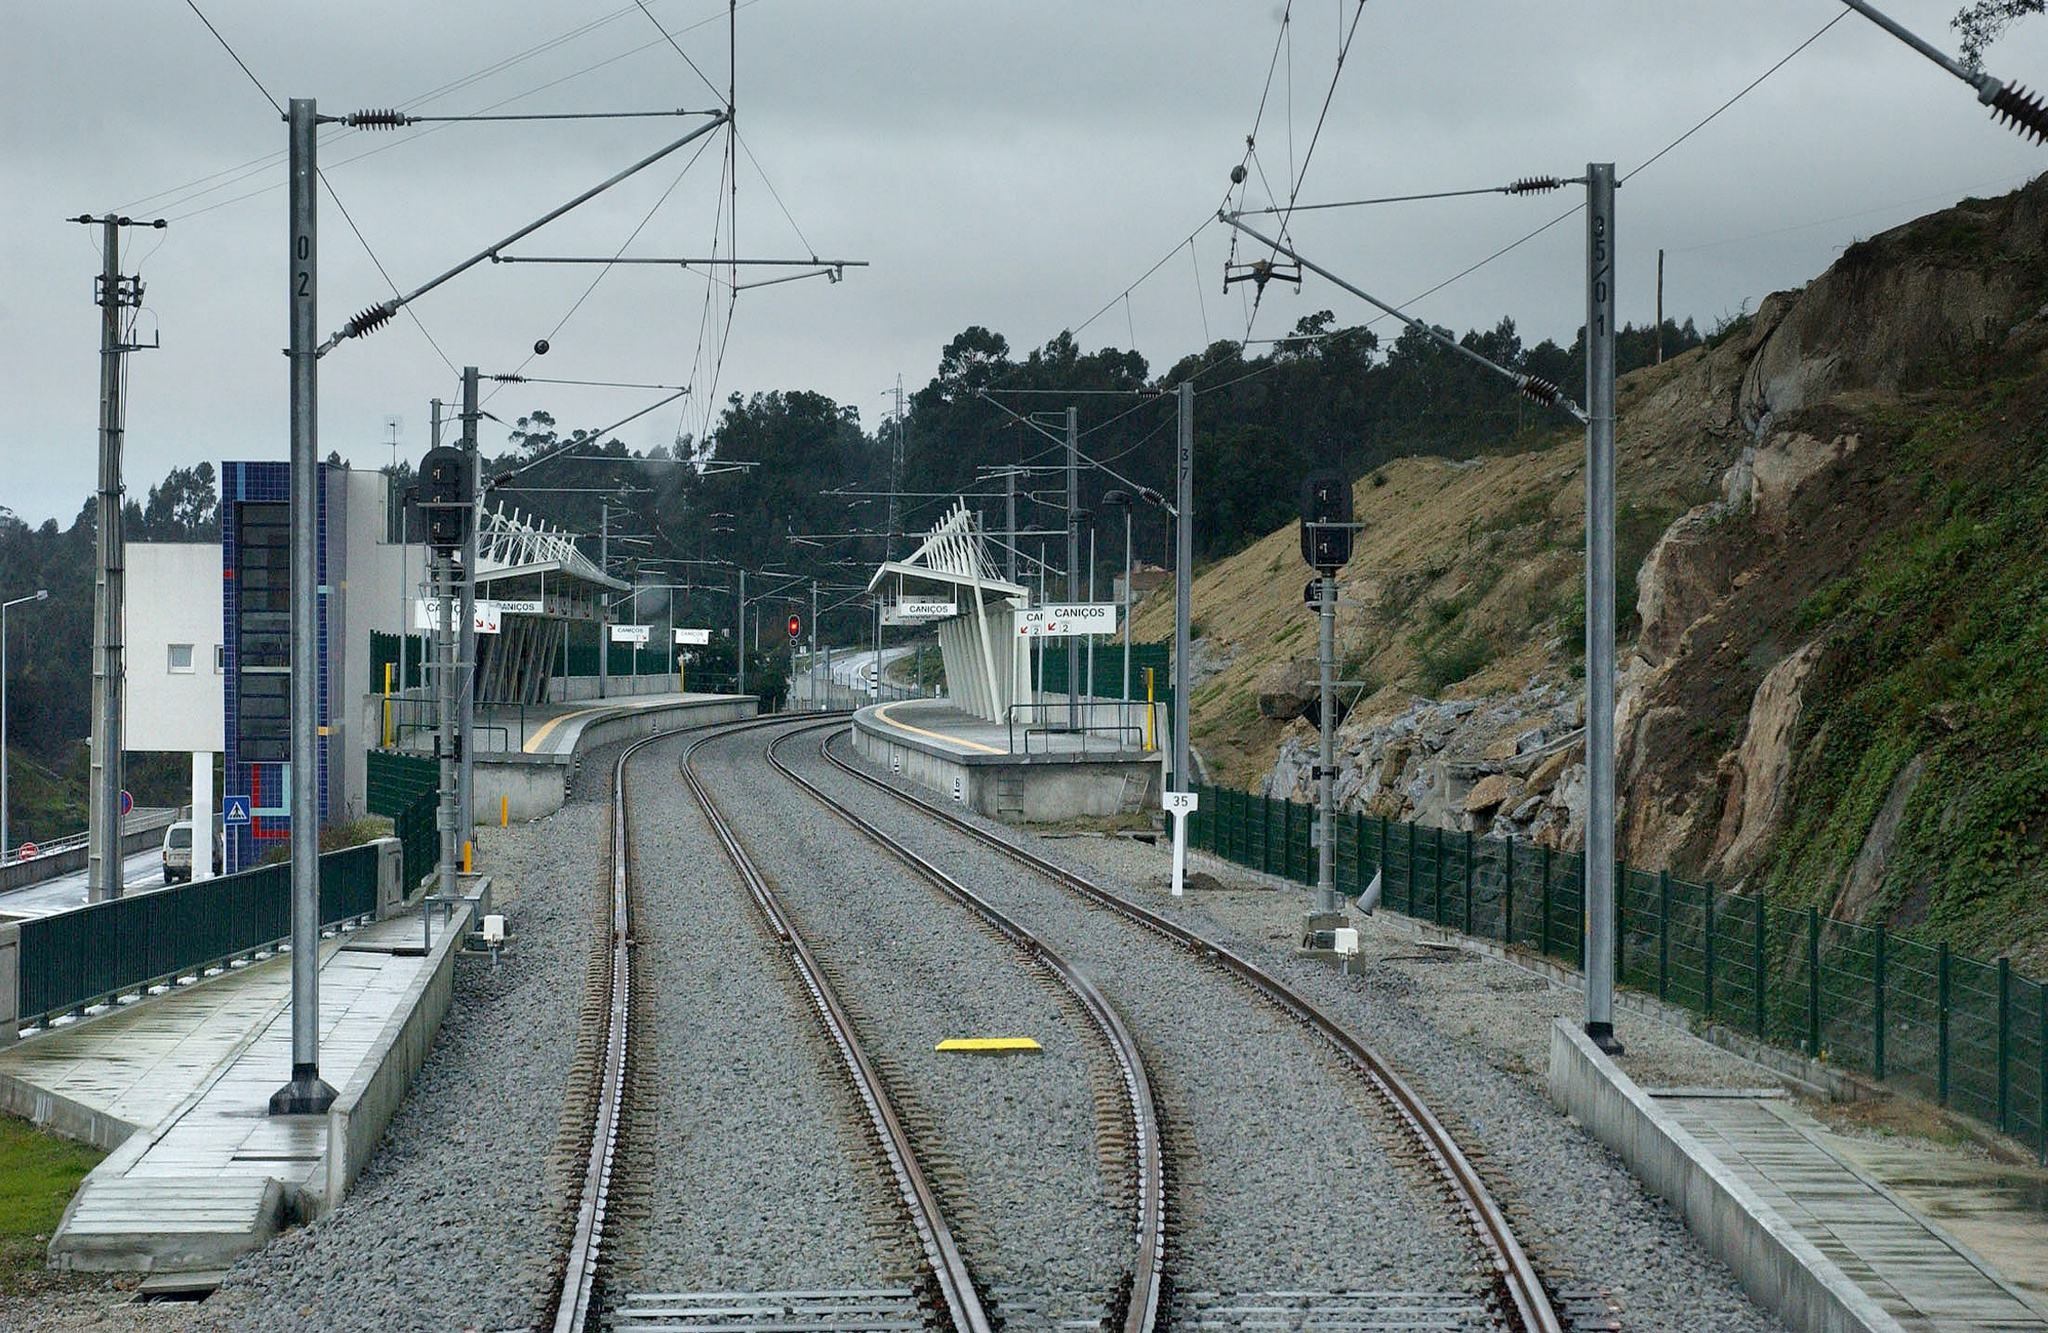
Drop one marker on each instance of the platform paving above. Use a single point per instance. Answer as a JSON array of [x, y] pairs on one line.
[[181, 1082], [940, 723], [1831, 1189]]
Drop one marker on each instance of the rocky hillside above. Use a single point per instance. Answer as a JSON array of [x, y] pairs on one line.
[[1834, 536]]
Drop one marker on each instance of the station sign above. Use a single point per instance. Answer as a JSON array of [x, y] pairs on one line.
[[1062, 620], [529, 606], [633, 634], [695, 638], [426, 615], [927, 610]]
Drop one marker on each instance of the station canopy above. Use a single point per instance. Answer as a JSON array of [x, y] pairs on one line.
[[950, 581]]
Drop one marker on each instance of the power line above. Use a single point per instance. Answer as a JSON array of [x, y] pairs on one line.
[[274, 105]]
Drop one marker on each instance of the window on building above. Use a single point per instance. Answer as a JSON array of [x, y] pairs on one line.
[[181, 658], [220, 659]]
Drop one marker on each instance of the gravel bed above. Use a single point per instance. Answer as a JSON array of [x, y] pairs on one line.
[[744, 1167], [1472, 1034], [1017, 1165], [1288, 1174]]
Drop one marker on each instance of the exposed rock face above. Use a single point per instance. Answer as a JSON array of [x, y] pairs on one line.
[[1866, 875], [1288, 689], [1759, 776], [1497, 766]]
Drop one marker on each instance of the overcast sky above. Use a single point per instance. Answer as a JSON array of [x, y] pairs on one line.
[[1005, 164]]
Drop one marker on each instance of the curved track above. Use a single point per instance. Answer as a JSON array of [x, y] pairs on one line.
[[1140, 1300], [1520, 1283]]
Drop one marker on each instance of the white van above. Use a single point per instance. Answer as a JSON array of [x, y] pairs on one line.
[[178, 852]]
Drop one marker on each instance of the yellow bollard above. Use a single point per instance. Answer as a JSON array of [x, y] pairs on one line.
[[504, 811], [465, 857], [1148, 710]]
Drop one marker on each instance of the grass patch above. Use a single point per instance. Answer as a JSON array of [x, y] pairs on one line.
[[39, 1173]]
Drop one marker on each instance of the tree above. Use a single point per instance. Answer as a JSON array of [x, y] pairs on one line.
[[184, 507], [1982, 22]]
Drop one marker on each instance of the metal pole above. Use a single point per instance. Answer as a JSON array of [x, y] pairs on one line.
[[1010, 517], [1599, 957], [1183, 580], [103, 841], [39, 595], [465, 657], [1073, 562], [446, 740], [1091, 638], [1326, 761], [815, 705], [306, 1094], [740, 629], [1127, 602], [604, 637]]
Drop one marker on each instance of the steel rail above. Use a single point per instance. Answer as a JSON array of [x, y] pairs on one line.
[[1512, 1265], [1140, 1300], [942, 1252], [586, 1241]]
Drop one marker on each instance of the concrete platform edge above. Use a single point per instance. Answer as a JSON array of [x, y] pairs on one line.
[[1778, 1267], [363, 1111], [62, 1116]]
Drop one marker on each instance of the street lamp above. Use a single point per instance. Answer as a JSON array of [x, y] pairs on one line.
[[39, 595]]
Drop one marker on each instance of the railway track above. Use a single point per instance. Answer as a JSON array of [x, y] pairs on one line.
[[947, 1295], [1520, 1288]]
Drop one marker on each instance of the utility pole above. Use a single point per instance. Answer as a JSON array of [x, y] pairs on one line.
[[1073, 563], [306, 1094], [814, 644], [740, 642], [103, 838], [1183, 580], [465, 654], [1010, 521], [604, 632], [1600, 794]]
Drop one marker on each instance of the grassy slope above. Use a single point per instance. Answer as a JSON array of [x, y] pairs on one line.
[[38, 1174]]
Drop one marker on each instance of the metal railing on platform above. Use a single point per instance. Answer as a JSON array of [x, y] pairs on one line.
[[1129, 726]]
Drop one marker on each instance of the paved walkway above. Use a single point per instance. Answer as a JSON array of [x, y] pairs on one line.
[[1832, 1190], [205, 1173]]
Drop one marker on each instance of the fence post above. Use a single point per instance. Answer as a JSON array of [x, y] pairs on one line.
[[1409, 877], [1762, 967], [1471, 877], [1620, 921], [1543, 931], [2004, 1044], [1813, 982], [1707, 944], [1941, 1023], [1507, 894], [1877, 1005], [1663, 934], [2041, 1066], [1436, 906]]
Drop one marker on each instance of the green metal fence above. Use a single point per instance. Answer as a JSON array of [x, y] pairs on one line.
[[1109, 669], [103, 950], [405, 788], [1965, 1033]]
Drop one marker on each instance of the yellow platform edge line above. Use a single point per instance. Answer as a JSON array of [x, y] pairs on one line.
[[987, 1044], [882, 712], [548, 727]]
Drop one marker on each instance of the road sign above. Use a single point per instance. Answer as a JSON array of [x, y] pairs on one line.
[[127, 805], [426, 615], [1060, 620], [634, 634], [694, 637], [29, 851], [235, 810]]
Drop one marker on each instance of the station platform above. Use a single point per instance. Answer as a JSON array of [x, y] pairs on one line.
[[1829, 1230], [177, 1087], [1017, 773], [525, 753]]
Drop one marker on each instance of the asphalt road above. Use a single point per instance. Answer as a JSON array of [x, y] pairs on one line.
[[139, 873]]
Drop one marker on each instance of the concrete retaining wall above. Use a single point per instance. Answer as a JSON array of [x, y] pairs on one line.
[[1778, 1267], [363, 1110], [532, 786]]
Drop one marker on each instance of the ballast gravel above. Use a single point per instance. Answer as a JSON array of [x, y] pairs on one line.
[[1288, 1174], [1016, 1156], [1471, 1034], [742, 1168]]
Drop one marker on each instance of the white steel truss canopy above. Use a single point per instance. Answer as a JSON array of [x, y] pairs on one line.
[[979, 645], [508, 546]]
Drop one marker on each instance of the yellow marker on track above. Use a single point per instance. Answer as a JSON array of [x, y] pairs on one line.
[[987, 1045]]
